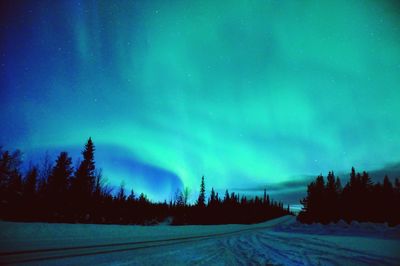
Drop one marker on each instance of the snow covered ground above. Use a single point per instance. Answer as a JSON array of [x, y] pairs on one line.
[[282, 241]]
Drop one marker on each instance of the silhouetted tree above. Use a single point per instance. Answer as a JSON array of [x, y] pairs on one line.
[[10, 177], [29, 198], [179, 198], [360, 200], [201, 201], [59, 179], [57, 187], [5, 171], [30, 183], [314, 201], [331, 199], [213, 200], [265, 196], [226, 197], [85, 174], [10, 184], [45, 171], [338, 186], [121, 193], [53, 193], [83, 183], [132, 196], [396, 219]]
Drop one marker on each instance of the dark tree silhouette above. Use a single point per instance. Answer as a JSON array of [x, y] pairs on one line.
[[83, 184], [45, 170], [85, 174], [30, 193], [360, 200], [179, 198], [58, 182], [10, 184], [213, 199], [30, 183], [55, 194], [201, 201], [57, 188], [331, 199], [121, 193]]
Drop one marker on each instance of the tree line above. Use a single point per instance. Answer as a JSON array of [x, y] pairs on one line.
[[59, 192], [232, 208], [359, 200]]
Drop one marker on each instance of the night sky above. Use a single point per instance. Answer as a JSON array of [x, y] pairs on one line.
[[248, 93]]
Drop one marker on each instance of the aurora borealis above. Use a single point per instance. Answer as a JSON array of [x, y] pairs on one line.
[[247, 93]]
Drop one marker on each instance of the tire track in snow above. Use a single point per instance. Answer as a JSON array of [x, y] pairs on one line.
[[26, 256], [301, 251], [251, 246]]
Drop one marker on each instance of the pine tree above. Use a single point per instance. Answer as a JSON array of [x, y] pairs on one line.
[[84, 182], [179, 198], [331, 198], [30, 182], [201, 201], [98, 187], [10, 176], [15, 185], [366, 180], [226, 197], [44, 174], [314, 202], [387, 185], [338, 186], [212, 198], [132, 196], [56, 194], [121, 193], [143, 199], [4, 171], [352, 177], [60, 177], [265, 196]]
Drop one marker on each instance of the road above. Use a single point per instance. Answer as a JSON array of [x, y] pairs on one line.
[[245, 245]]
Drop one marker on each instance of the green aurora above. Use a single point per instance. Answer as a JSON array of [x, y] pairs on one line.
[[247, 93]]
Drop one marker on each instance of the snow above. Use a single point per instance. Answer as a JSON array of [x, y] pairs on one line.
[[282, 241], [342, 228], [23, 236]]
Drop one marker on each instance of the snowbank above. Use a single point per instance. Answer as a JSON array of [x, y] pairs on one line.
[[343, 228], [16, 236]]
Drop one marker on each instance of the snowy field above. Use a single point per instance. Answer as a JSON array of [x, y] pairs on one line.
[[282, 241]]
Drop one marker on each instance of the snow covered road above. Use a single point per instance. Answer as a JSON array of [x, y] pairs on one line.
[[278, 242]]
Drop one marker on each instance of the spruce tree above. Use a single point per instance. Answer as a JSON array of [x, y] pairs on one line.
[[179, 201], [30, 183], [131, 197], [45, 170], [201, 201], [353, 180], [212, 197], [84, 183], [397, 184], [338, 186], [121, 193], [56, 194], [265, 196], [60, 177]]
